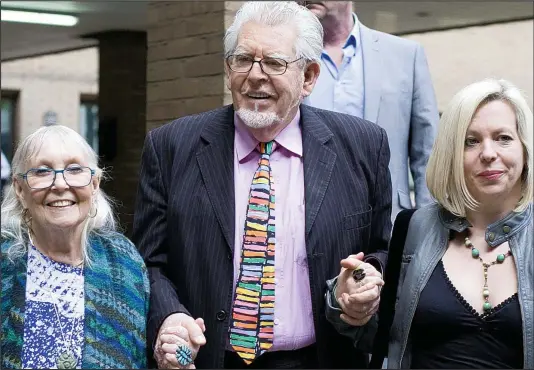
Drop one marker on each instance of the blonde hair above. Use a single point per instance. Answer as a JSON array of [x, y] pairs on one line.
[[13, 224], [445, 171]]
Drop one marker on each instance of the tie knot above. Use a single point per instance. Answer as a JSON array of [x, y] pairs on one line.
[[267, 148]]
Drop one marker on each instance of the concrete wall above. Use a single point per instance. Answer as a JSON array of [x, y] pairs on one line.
[[462, 56], [51, 83]]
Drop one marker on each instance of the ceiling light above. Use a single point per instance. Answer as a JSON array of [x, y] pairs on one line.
[[38, 18]]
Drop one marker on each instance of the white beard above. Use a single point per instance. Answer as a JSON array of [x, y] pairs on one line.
[[255, 119]]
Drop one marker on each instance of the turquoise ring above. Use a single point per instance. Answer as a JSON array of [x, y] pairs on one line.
[[184, 355]]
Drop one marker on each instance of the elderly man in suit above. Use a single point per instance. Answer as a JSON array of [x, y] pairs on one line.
[[383, 79], [235, 284]]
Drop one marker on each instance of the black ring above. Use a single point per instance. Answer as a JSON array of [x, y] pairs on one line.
[[358, 274]]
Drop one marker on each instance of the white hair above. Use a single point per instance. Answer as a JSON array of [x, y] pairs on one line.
[[309, 44], [13, 224], [256, 119], [445, 170]]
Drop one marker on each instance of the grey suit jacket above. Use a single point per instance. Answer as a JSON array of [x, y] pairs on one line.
[[185, 219], [400, 98]]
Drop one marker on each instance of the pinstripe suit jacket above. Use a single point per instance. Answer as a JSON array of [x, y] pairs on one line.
[[184, 219]]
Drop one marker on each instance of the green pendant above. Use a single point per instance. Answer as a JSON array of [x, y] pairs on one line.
[[486, 306], [500, 258], [475, 253], [66, 360]]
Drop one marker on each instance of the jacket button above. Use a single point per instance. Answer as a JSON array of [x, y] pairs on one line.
[[491, 237], [221, 315], [506, 229]]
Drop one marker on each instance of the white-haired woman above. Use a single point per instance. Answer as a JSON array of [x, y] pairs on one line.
[[74, 291], [467, 277]]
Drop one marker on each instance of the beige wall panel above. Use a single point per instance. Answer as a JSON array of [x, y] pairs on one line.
[[51, 83]]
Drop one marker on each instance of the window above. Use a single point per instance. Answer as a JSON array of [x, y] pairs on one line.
[[8, 103], [89, 121]]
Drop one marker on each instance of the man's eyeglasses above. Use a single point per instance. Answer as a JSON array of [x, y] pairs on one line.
[[271, 66], [42, 178]]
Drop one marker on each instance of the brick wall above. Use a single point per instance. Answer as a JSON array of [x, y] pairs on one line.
[[122, 102], [231, 8], [184, 59]]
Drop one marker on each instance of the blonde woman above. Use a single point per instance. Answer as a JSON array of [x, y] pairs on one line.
[[74, 291], [467, 280]]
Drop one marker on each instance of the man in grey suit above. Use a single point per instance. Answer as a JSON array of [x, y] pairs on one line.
[[383, 79]]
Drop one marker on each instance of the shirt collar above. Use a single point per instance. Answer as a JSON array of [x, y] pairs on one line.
[[353, 39], [496, 233], [290, 138]]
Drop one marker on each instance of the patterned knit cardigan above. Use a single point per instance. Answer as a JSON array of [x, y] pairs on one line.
[[116, 306]]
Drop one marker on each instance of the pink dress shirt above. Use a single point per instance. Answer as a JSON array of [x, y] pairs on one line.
[[293, 323]]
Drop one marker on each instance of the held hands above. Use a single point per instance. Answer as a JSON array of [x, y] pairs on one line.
[[178, 329], [358, 300]]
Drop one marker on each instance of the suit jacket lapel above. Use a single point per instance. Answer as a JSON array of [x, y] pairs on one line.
[[216, 162], [319, 162], [372, 65]]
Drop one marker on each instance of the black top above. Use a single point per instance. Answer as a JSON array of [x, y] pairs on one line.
[[448, 333]]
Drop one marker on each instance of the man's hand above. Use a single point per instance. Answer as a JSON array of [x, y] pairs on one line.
[[178, 329], [358, 300]]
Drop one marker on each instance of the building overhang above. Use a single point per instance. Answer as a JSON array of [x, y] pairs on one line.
[[21, 40]]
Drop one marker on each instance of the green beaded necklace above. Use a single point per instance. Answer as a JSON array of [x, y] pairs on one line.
[[475, 253]]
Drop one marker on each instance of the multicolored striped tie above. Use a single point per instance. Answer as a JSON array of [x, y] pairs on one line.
[[251, 326]]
